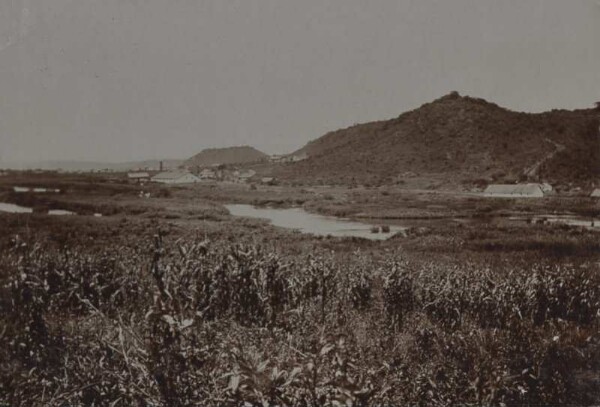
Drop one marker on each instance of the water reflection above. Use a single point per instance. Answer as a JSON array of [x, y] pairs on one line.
[[299, 219], [12, 208]]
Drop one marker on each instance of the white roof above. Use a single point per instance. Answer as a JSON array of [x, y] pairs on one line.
[[172, 175], [138, 175], [515, 189], [596, 193], [246, 174]]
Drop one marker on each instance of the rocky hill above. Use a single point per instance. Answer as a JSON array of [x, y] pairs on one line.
[[229, 155], [460, 140]]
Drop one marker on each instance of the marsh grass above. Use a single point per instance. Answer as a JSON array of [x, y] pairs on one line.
[[187, 322]]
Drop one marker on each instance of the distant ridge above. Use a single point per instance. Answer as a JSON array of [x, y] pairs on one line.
[[68, 165], [227, 155], [459, 139]]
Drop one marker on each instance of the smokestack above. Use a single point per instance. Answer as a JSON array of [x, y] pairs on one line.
[[161, 166]]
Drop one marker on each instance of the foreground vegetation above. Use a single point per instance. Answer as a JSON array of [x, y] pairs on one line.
[[169, 300], [196, 322]]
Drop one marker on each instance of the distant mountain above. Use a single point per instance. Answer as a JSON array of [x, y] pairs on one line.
[[91, 165], [228, 155], [458, 139], [54, 165]]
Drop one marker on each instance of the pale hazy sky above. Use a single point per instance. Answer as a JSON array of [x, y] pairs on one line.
[[133, 79]]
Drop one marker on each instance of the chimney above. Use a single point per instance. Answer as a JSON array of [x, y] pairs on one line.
[[161, 166]]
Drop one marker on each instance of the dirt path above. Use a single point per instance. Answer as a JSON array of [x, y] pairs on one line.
[[532, 171]]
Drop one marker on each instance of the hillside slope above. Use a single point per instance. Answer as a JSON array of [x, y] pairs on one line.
[[459, 140], [229, 155]]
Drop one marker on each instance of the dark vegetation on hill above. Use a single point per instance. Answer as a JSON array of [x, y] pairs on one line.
[[461, 140], [229, 155]]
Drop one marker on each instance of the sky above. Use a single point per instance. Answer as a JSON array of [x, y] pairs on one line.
[[121, 80]]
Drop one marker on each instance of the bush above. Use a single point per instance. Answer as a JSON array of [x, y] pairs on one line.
[[164, 193]]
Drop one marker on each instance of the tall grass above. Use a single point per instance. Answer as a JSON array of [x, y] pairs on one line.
[[220, 323]]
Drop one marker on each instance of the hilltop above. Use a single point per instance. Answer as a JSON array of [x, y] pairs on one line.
[[228, 155], [457, 139]]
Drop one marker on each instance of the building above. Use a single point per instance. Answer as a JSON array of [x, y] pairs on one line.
[[277, 158], [207, 173], [595, 193], [546, 188], [267, 180], [138, 177], [243, 176], [300, 157], [280, 158], [175, 177], [514, 191]]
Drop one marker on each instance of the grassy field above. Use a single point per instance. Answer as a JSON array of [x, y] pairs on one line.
[[169, 300]]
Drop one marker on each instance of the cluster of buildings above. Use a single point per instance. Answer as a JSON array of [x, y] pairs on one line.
[[287, 158], [182, 176], [165, 177]]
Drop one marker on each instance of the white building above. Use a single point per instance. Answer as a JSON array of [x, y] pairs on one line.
[[595, 193], [277, 158], [138, 177], [546, 188], [207, 173], [301, 157], [175, 177], [514, 191], [280, 158], [243, 176]]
